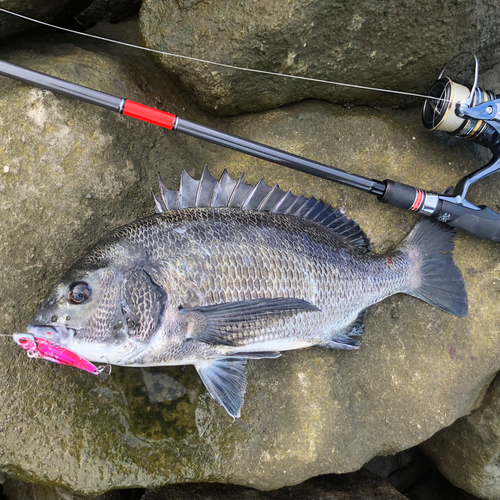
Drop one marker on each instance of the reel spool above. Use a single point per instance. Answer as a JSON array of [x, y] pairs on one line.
[[441, 113], [444, 110]]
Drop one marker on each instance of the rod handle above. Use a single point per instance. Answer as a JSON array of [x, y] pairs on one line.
[[483, 223], [402, 196]]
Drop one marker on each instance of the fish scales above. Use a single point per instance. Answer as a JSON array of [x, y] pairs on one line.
[[216, 285], [211, 248]]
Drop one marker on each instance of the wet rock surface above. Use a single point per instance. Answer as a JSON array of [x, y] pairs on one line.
[[389, 45], [310, 412], [468, 452]]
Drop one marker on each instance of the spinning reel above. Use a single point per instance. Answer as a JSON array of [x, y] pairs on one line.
[[472, 113]]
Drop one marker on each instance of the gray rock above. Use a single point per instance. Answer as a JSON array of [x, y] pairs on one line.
[[389, 45], [361, 485], [310, 412], [50, 11], [468, 452]]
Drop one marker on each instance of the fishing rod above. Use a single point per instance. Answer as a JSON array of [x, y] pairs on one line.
[[475, 114]]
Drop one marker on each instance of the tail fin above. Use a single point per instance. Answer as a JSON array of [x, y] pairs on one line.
[[434, 277]]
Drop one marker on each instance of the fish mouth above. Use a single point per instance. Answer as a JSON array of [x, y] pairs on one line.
[[58, 334]]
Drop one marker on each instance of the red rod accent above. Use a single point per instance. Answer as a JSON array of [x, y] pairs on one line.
[[418, 200], [151, 115]]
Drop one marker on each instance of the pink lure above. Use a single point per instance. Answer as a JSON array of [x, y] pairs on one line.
[[46, 349]]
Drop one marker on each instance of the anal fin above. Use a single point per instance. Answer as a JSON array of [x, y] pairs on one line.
[[344, 340]]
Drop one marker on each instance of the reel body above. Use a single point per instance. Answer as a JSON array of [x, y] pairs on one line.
[[469, 112]]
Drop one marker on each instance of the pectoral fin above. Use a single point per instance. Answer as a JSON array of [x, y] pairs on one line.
[[227, 323], [225, 380]]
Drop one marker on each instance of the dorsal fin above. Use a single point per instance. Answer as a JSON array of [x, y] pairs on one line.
[[228, 193]]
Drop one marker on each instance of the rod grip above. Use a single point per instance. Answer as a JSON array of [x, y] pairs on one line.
[[483, 223], [402, 196]]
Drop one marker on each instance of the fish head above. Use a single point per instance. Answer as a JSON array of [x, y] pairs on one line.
[[83, 313], [107, 308]]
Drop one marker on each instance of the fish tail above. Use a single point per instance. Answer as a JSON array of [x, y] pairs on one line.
[[434, 277]]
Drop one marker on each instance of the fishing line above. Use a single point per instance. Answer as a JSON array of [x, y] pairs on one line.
[[251, 70]]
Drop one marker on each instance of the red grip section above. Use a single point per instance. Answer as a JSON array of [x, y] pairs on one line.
[[151, 115]]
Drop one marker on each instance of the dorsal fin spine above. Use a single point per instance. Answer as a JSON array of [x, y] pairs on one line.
[[217, 189], [249, 196], [226, 193], [307, 215], [233, 194], [287, 195], [299, 200], [158, 204], [200, 186], [266, 198]]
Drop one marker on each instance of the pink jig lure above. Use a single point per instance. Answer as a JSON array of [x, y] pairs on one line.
[[37, 347]]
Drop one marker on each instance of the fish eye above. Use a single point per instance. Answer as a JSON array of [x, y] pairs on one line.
[[79, 292]]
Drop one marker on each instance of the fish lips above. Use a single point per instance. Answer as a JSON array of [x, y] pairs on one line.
[[59, 334]]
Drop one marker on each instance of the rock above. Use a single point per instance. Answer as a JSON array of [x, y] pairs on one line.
[[389, 45], [401, 470], [310, 412], [49, 11], [415, 475], [17, 490], [468, 452], [107, 11], [359, 485]]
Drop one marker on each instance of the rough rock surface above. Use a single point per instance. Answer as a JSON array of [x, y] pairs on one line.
[[390, 45], [361, 485], [51, 11], [468, 452], [310, 412]]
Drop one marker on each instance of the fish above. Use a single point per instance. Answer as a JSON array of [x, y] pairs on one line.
[[226, 271]]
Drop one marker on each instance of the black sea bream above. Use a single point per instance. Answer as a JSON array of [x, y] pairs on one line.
[[225, 272]]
